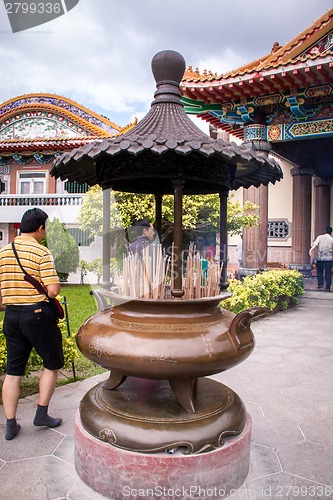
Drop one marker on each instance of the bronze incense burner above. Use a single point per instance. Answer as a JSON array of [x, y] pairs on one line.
[[160, 351], [175, 340], [179, 341]]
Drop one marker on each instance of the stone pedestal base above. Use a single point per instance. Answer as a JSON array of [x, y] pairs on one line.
[[121, 474]]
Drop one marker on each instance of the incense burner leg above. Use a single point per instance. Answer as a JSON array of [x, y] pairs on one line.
[[115, 380], [183, 390]]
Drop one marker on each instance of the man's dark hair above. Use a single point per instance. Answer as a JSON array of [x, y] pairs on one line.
[[328, 230], [32, 219], [142, 222]]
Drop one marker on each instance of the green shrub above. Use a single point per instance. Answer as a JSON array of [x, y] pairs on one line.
[[35, 362], [270, 289], [63, 247]]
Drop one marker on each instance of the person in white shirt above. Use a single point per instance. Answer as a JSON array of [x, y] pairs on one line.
[[239, 250], [324, 243]]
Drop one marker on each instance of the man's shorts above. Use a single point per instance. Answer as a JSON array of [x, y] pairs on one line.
[[31, 326]]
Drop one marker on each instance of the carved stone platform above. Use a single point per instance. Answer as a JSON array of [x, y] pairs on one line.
[[119, 474], [143, 415]]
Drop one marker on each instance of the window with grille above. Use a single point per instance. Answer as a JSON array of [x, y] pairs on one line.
[[278, 229], [82, 238], [75, 187]]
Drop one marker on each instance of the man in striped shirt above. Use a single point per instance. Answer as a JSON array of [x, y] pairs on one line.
[[29, 322]]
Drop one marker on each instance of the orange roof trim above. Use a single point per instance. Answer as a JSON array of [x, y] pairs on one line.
[[96, 124], [290, 53]]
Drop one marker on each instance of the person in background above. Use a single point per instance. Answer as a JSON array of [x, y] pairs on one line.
[[145, 235], [28, 321], [324, 243]]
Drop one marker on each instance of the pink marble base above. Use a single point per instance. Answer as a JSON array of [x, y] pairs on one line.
[[121, 474]]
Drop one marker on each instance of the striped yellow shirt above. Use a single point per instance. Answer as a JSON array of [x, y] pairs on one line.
[[36, 260]]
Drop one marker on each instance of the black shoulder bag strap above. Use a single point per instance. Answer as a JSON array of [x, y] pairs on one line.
[[53, 303], [30, 279]]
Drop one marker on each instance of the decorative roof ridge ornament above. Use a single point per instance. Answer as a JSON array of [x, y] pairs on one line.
[[168, 67]]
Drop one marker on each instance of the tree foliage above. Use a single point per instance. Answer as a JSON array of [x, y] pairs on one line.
[[63, 247], [201, 213]]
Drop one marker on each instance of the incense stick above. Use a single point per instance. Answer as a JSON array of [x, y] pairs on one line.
[[151, 274]]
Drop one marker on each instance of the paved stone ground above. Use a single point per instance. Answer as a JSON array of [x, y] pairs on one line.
[[286, 385]]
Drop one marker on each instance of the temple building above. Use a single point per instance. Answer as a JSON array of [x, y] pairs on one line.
[[280, 104], [34, 129]]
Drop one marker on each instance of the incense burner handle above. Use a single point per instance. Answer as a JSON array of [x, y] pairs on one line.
[[240, 329]]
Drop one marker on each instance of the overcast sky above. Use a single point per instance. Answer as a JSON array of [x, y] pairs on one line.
[[99, 53]]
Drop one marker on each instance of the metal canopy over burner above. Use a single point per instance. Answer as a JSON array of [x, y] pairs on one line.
[[166, 145]]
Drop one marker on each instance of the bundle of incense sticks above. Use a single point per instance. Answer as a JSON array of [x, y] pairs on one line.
[[144, 275], [150, 274], [202, 277]]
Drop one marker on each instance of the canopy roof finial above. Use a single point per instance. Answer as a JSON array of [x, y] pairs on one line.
[[168, 67]]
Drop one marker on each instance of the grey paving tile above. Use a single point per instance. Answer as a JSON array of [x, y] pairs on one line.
[[263, 462], [31, 442], [232, 377], [305, 392], [25, 412], [300, 359], [252, 365], [275, 378], [239, 494], [287, 342], [312, 375], [67, 397], [80, 491], [283, 485], [67, 415], [39, 478], [315, 351], [275, 432], [85, 385], [319, 431], [254, 409], [268, 359], [292, 410], [321, 342], [273, 350], [328, 357], [326, 408], [65, 450], [309, 460], [292, 368], [258, 392]]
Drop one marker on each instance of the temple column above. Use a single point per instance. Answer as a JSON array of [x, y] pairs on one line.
[[255, 238], [322, 208], [301, 213], [178, 290]]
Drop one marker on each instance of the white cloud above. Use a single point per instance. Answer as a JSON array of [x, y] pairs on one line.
[[99, 54]]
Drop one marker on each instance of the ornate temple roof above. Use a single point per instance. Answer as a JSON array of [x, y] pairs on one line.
[[166, 145], [304, 61], [299, 49], [50, 123], [291, 87]]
